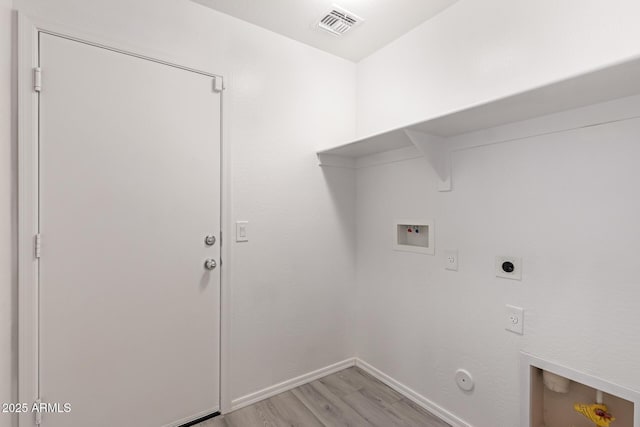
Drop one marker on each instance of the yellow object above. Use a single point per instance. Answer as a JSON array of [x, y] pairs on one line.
[[596, 413]]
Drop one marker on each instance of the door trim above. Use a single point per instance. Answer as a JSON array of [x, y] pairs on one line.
[[28, 175]]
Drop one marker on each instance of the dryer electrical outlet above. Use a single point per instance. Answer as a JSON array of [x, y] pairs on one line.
[[509, 267]]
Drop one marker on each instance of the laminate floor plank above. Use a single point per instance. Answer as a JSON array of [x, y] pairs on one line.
[[257, 415], [374, 387], [218, 421], [353, 376], [288, 411], [337, 385], [403, 412], [375, 411], [327, 407], [349, 398], [415, 416]]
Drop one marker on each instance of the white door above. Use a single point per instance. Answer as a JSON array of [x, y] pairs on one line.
[[129, 168]]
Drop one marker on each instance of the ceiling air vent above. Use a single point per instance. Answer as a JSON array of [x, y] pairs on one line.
[[338, 21]]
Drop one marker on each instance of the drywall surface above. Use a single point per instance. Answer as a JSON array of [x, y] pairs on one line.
[[566, 203], [477, 51], [8, 190], [291, 283]]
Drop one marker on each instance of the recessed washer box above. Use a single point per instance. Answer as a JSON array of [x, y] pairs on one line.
[[414, 235], [554, 406]]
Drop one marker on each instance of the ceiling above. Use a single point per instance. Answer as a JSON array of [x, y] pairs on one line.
[[385, 20]]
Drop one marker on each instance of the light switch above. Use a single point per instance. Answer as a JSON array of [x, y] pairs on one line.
[[241, 231]]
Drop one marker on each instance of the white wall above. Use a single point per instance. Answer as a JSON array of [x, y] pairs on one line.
[[291, 282], [571, 217], [566, 203], [476, 51], [7, 216]]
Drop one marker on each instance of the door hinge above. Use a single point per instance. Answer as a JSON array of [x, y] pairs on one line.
[[218, 84], [37, 79], [38, 402], [38, 245]]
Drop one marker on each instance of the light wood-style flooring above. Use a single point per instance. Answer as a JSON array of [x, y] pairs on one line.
[[347, 398]]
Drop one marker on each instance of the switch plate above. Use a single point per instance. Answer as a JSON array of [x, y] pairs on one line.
[[514, 319], [242, 233], [511, 261], [451, 260]]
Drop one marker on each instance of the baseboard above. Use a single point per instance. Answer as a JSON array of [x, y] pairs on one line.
[[412, 395], [257, 396]]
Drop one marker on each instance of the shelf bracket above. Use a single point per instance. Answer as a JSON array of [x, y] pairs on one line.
[[435, 150]]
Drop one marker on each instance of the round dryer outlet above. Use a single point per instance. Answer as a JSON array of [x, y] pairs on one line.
[[464, 380]]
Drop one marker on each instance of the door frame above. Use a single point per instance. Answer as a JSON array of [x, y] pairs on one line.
[[29, 29]]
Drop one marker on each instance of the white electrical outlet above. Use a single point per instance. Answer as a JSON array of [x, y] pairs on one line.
[[509, 267], [451, 260], [514, 319]]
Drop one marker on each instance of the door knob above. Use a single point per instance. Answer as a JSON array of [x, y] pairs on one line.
[[210, 264]]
